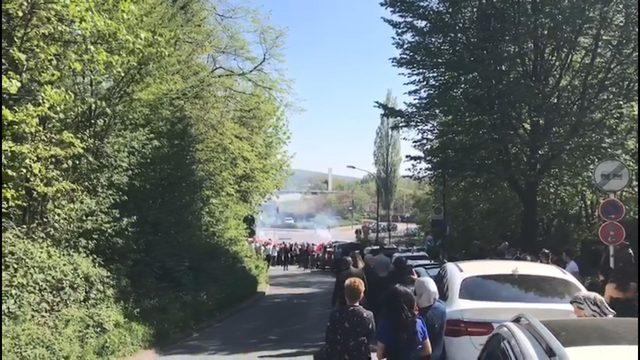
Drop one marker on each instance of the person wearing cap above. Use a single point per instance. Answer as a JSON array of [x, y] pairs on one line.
[[590, 304], [433, 312]]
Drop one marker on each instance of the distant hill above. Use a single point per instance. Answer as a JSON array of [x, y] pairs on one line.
[[312, 180]]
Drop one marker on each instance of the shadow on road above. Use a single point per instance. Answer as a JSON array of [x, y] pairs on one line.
[[288, 322], [289, 354]]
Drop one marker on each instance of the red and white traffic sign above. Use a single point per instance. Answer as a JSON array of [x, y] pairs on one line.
[[611, 209], [611, 233]]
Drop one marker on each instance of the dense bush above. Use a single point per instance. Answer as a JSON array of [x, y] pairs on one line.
[[57, 304], [136, 137]]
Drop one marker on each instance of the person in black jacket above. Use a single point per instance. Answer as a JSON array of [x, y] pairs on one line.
[[345, 271]]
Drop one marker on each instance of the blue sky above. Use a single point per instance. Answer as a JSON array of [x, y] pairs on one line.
[[337, 55]]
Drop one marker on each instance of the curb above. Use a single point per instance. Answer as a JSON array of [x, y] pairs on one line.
[[152, 354]]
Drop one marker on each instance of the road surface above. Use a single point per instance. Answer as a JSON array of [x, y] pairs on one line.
[[289, 322]]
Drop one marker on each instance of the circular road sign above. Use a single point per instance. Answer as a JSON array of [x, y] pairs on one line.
[[611, 233], [611, 176], [611, 210]]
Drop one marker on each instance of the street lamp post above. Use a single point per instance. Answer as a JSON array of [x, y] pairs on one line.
[[377, 199]]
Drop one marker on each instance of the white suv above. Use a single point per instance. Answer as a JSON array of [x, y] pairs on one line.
[[481, 294]]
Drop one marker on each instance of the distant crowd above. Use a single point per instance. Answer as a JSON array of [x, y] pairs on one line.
[[305, 255]]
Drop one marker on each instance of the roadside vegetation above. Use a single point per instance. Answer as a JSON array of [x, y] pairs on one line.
[[136, 135], [512, 105]]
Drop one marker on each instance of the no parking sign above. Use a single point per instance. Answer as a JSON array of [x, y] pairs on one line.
[[611, 209], [611, 233]]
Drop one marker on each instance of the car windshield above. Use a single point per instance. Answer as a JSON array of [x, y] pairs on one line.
[[517, 288]]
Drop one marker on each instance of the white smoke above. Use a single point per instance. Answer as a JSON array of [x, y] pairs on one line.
[[307, 211]]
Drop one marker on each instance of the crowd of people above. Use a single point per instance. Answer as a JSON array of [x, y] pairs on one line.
[[383, 307], [305, 255], [386, 308]]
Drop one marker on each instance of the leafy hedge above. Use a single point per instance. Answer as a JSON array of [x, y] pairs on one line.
[[136, 136], [60, 305]]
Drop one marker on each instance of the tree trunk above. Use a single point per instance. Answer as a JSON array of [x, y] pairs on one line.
[[529, 229], [389, 223]]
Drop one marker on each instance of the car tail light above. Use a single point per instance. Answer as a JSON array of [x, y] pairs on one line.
[[458, 328]]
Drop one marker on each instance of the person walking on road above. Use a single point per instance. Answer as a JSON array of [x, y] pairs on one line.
[[267, 256], [572, 266], [351, 327], [274, 254], [285, 258], [434, 313], [621, 291], [345, 271], [402, 333]]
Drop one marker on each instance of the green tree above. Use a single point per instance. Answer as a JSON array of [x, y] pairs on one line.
[[136, 137], [519, 93], [387, 158]]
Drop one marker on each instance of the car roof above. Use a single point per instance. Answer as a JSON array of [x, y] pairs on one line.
[[484, 267], [409, 253], [422, 262], [594, 331]]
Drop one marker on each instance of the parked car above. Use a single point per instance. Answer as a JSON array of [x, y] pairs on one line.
[[388, 251], [289, 220], [342, 249], [526, 338], [374, 227], [412, 232], [481, 294], [425, 267], [410, 256]]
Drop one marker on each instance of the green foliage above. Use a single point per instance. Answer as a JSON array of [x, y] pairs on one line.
[[58, 304], [529, 95], [362, 195], [136, 137], [387, 156]]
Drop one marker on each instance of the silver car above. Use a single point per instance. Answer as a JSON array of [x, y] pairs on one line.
[[526, 338]]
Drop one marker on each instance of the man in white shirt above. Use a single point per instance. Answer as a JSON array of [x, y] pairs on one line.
[[274, 253], [572, 267]]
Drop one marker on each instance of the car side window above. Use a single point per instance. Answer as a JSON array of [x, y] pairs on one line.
[[506, 352], [494, 349]]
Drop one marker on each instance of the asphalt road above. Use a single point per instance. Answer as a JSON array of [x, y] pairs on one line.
[[288, 322]]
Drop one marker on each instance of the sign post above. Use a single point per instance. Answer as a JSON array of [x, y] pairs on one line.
[[611, 176]]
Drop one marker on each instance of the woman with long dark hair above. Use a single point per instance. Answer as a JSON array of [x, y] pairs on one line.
[[402, 334], [621, 292]]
